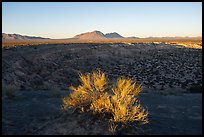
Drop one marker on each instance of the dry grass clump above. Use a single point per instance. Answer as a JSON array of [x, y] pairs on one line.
[[9, 90], [120, 101], [92, 87]]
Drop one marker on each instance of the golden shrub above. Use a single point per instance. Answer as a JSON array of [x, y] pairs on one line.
[[103, 104], [126, 106], [91, 88], [94, 95]]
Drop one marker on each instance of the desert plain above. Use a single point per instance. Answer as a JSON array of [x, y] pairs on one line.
[[36, 76]]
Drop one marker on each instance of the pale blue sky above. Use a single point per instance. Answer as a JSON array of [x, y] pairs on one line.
[[67, 19]]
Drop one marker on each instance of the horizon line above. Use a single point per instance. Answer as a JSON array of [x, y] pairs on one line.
[[105, 33]]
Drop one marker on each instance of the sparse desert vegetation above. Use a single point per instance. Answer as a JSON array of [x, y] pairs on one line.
[[171, 77], [8, 91], [94, 95], [102, 68]]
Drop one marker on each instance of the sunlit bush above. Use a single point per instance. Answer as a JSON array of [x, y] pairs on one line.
[[91, 88], [126, 106], [120, 101]]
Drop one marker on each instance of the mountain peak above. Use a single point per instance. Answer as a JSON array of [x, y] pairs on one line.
[[98, 35], [97, 31], [113, 35], [91, 35]]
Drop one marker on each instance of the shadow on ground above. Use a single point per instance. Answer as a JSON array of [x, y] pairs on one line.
[[39, 112]]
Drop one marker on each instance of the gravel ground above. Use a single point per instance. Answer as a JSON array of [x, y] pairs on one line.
[[157, 66]]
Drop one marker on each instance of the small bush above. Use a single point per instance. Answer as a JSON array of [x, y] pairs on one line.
[[9, 91], [120, 101], [92, 87], [195, 88]]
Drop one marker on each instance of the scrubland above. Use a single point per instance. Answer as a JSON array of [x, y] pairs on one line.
[[141, 88]]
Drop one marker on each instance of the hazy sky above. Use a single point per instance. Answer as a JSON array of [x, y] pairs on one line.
[[67, 19]]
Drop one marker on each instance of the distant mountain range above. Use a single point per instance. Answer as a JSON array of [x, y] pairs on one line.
[[177, 37], [94, 35], [97, 35], [114, 35], [18, 36]]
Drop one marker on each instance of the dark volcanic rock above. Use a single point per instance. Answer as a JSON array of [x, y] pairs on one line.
[[167, 66]]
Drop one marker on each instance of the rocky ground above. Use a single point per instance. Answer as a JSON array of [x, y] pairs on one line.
[[35, 78], [157, 66]]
